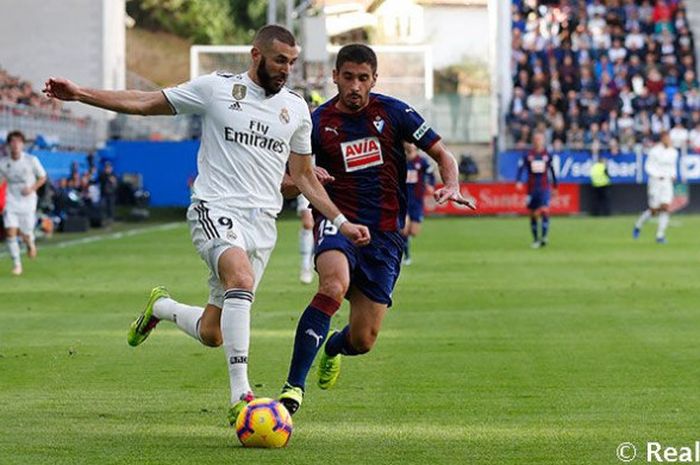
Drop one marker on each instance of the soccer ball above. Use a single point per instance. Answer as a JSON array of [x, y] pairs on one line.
[[264, 422]]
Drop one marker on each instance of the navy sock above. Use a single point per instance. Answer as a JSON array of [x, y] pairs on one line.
[[545, 226], [311, 332], [533, 227], [339, 344]]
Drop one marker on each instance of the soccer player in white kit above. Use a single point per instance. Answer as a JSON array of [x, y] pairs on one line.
[[661, 167], [252, 127], [24, 175]]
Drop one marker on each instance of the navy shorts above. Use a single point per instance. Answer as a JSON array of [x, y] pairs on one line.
[[415, 210], [538, 199], [374, 268]]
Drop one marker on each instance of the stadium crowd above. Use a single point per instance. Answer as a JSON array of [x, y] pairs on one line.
[[603, 75], [16, 92]]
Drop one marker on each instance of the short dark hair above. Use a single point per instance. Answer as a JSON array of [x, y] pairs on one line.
[[356, 53], [268, 34], [12, 134]]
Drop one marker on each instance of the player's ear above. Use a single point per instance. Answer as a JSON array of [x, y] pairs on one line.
[[255, 55], [374, 80], [335, 76]]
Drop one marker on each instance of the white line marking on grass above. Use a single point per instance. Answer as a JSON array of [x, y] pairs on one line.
[[106, 237]]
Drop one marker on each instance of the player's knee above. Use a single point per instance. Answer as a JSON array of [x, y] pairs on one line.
[[211, 338], [238, 279], [364, 342], [333, 288]]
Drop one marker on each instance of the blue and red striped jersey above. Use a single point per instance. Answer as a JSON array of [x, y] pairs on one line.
[[364, 152], [538, 167], [419, 174]]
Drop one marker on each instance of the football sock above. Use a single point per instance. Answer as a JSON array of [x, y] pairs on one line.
[[186, 317], [339, 343], [235, 331], [311, 331], [306, 248], [406, 248], [643, 219], [664, 218], [13, 249], [545, 227], [533, 228]]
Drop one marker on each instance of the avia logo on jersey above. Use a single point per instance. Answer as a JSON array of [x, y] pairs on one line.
[[361, 153]]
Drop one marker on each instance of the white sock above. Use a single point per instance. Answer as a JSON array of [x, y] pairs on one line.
[[13, 248], [184, 316], [664, 218], [235, 331], [306, 248], [30, 239], [643, 219]]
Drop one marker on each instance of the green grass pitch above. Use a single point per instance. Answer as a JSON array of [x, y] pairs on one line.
[[493, 353]]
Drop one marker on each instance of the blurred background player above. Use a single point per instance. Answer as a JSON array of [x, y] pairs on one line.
[[357, 137], [661, 167], [537, 166], [306, 240], [24, 175], [420, 179]]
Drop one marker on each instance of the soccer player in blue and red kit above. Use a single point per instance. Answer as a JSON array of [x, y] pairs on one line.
[[358, 138], [537, 165], [420, 179]]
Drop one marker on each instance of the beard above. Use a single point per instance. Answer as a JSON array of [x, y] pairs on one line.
[[267, 80]]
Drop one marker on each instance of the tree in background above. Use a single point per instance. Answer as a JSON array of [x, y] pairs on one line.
[[202, 21]]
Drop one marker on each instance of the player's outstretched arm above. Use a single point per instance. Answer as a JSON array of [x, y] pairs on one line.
[[302, 172], [448, 171], [134, 102]]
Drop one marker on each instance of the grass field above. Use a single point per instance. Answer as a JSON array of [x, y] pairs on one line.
[[493, 354]]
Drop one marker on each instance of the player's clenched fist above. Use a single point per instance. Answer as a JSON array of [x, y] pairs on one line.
[[357, 233], [60, 88]]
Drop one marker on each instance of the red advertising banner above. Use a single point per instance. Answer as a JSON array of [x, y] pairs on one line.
[[505, 199]]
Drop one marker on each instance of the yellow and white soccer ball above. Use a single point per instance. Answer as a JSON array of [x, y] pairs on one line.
[[264, 422]]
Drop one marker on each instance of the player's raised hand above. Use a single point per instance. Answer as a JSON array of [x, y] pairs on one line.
[[357, 233], [453, 194], [323, 176], [60, 88]]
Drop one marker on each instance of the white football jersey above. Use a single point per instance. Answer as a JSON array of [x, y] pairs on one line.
[[246, 138], [20, 173], [661, 161]]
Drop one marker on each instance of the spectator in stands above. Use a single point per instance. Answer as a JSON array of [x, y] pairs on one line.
[[108, 190]]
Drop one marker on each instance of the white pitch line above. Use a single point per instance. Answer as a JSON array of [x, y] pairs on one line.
[[106, 237]]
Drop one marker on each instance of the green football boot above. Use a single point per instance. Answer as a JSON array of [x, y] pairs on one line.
[[328, 368], [291, 397], [235, 410], [144, 324]]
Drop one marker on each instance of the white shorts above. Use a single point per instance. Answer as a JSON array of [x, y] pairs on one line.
[[659, 192], [302, 204], [24, 221], [214, 229]]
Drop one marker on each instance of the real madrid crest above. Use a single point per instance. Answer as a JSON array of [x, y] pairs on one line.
[[239, 91], [284, 116]]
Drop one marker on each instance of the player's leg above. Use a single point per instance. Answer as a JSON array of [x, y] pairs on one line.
[[306, 246], [664, 219], [653, 204], [11, 223], [356, 338], [333, 268], [406, 233], [27, 222], [534, 229], [374, 278], [544, 215]]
